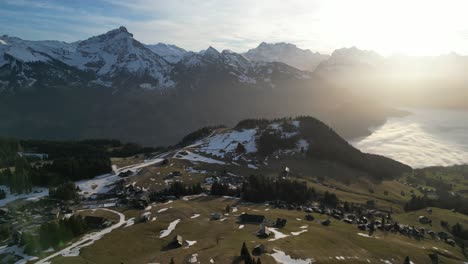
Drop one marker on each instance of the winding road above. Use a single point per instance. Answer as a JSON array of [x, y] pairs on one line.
[[86, 240]]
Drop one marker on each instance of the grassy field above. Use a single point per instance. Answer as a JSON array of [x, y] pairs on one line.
[[221, 241], [436, 216]]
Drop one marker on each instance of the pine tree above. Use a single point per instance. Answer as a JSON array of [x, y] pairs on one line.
[[407, 260], [245, 255]]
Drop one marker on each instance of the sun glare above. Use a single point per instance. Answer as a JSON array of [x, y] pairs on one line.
[[408, 27]]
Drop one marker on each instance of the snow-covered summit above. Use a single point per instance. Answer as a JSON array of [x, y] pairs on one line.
[[288, 53], [170, 53], [117, 52]]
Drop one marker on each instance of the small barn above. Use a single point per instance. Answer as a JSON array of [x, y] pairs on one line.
[[95, 222], [177, 241], [264, 232], [251, 219], [258, 250]]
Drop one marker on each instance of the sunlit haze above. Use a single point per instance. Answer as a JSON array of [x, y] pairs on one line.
[[410, 27]]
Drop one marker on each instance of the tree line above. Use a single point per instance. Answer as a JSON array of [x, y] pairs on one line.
[[259, 189], [53, 234]]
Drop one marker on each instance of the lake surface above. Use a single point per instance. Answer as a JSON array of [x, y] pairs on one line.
[[426, 137]]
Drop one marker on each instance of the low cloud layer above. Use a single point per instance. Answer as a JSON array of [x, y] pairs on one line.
[[425, 138]]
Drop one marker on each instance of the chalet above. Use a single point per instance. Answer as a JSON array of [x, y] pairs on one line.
[[264, 232], [434, 258], [177, 241], [326, 222], [258, 250], [424, 220], [443, 235], [309, 217], [251, 219], [280, 222], [450, 242], [215, 216], [95, 222]]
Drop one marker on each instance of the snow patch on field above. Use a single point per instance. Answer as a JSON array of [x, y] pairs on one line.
[[130, 222], [36, 194], [252, 166], [170, 228], [282, 258], [278, 234], [365, 235], [190, 243], [193, 258], [100, 184], [241, 226], [17, 251], [222, 143], [162, 210], [195, 216], [298, 233], [187, 155]]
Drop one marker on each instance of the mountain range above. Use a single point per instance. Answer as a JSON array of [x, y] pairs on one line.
[[112, 85]]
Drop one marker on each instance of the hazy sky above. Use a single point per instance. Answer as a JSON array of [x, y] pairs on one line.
[[414, 27]]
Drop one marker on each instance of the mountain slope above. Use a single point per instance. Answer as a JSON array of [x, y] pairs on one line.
[[254, 143], [287, 53], [170, 53]]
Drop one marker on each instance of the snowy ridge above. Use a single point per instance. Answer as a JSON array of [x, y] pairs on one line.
[[238, 66], [170, 53], [286, 53], [240, 145], [116, 59]]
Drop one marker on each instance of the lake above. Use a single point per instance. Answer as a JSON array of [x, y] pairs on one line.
[[426, 137]]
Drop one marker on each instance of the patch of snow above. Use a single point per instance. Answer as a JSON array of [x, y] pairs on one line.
[[278, 234], [298, 233], [190, 243], [192, 170], [197, 158], [17, 251], [170, 228], [35, 195], [98, 185], [195, 216], [162, 210], [222, 143], [282, 258], [241, 226], [130, 222], [234, 209], [193, 258], [365, 235], [252, 166]]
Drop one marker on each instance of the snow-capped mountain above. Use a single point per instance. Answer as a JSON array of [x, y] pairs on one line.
[[287, 53], [115, 59], [235, 67], [346, 58], [170, 53], [115, 55]]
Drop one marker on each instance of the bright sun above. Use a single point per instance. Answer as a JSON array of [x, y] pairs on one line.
[[412, 27]]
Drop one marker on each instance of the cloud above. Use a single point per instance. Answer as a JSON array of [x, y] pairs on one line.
[[320, 25], [426, 138]]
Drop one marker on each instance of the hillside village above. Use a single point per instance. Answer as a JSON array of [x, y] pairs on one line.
[[265, 191]]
